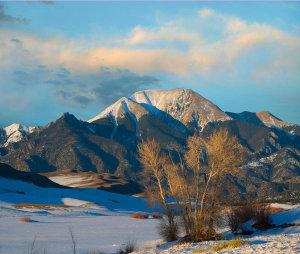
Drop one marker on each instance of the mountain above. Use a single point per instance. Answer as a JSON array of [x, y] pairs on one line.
[[181, 109], [14, 133], [108, 142], [262, 118]]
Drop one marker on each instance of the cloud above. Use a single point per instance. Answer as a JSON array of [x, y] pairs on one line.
[[205, 13], [77, 89], [124, 84], [82, 72], [169, 32], [82, 100], [6, 18], [103, 88], [181, 47]]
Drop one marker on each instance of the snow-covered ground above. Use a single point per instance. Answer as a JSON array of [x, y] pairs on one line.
[[100, 221], [278, 244], [275, 240]]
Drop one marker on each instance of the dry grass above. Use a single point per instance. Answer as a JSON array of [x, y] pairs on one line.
[[156, 215], [139, 216], [25, 219], [233, 243], [274, 210], [39, 206], [146, 247]]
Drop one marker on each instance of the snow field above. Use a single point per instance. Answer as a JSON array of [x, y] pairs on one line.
[[101, 233], [100, 221]]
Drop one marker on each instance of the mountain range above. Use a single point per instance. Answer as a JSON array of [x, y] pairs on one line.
[[108, 142]]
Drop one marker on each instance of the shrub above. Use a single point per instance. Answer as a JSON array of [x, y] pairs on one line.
[[262, 218], [144, 216], [156, 215], [134, 215], [25, 219], [168, 230], [239, 215], [260, 213], [139, 216], [128, 247]]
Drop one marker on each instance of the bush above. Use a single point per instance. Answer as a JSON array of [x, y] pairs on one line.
[[262, 219], [128, 247], [156, 215], [168, 230], [144, 216], [139, 216], [239, 215], [260, 213], [25, 219]]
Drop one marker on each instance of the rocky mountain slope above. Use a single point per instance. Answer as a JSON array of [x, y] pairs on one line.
[[108, 142]]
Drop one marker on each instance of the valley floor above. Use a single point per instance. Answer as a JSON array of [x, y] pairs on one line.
[[105, 233], [100, 222]]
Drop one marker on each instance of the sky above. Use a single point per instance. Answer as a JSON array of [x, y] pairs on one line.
[[80, 57]]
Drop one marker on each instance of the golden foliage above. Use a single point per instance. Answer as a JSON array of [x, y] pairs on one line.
[[193, 181]]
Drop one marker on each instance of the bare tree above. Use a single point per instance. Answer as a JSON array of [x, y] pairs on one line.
[[193, 182], [155, 182]]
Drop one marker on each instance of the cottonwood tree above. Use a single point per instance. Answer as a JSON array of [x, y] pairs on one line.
[[155, 181], [193, 182]]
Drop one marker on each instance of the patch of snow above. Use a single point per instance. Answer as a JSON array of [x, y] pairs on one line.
[[115, 126], [91, 129], [133, 117], [254, 164], [71, 181], [73, 202], [110, 111], [15, 132]]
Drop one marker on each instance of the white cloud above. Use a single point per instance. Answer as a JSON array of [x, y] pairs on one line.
[[178, 46], [205, 13]]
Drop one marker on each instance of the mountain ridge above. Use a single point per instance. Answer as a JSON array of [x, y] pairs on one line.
[[108, 142]]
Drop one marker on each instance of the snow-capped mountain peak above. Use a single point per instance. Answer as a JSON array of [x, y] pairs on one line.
[[183, 105], [16, 132], [171, 106]]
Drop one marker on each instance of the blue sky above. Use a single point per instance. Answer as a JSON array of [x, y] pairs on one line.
[[80, 57]]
